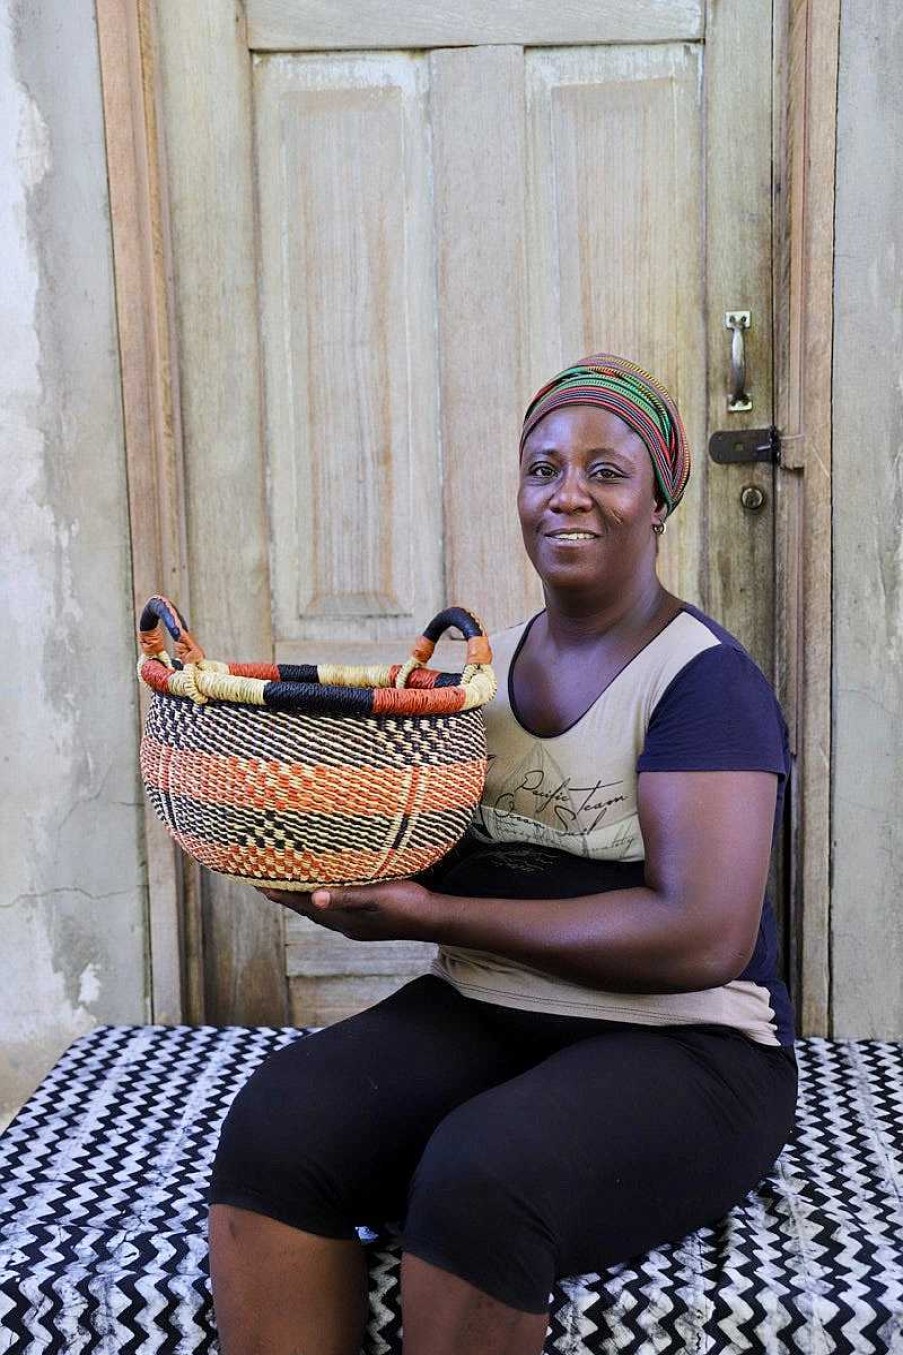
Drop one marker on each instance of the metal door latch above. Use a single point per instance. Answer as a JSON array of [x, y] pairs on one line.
[[729, 447]]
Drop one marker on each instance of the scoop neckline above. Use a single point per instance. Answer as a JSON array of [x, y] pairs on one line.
[[512, 703]]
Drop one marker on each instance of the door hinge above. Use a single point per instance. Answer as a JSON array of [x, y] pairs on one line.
[[730, 447]]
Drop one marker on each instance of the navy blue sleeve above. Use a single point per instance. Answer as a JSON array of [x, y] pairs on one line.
[[718, 714]]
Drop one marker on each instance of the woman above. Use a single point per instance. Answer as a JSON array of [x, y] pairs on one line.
[[601, 1059]]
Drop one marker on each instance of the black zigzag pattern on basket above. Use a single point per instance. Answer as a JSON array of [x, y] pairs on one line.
[[102, 1217], [328, 740]]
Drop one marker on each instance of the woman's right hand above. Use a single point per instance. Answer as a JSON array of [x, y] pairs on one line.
[[387, 910], [297, 899]]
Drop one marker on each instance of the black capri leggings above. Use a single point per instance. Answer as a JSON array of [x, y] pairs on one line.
[[512, 1147]]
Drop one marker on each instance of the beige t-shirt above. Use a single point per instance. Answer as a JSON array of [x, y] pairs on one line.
[[577, 791]]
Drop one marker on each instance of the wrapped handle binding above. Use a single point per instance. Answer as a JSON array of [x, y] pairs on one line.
[[470, 626], [347, 689], [159, 612], [479, 652]]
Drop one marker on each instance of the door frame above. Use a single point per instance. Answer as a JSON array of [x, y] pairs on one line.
[[805, 135], [804, 139]]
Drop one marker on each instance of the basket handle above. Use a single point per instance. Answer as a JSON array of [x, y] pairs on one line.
[[470, 626], [158, 612]]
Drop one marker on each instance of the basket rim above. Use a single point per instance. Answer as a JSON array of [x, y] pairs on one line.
[[408, 688], [431, 691]]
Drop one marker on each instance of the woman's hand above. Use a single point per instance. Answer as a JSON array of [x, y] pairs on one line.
[[398, 910]]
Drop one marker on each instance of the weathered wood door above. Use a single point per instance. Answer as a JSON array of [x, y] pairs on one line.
[[389, 224]]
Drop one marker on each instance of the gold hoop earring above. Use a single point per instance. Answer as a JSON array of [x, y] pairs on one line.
[[658, 528]]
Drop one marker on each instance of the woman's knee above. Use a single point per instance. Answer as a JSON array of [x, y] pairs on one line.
[[476, 1207], [279, 1149]]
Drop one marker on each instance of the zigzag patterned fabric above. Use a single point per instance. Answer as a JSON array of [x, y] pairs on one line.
[[102, 1217]]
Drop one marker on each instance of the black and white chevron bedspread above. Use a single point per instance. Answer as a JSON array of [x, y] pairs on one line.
[[102, 1217]]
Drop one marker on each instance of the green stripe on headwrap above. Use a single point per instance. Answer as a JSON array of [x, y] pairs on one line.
[[615, 384]]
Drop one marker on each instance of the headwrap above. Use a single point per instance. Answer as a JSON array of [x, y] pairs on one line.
[[636, 397]]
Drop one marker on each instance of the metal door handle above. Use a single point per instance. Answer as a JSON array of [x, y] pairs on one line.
[[737, 399]]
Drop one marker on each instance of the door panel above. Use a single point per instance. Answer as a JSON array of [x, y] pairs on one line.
[[348, 315], [616, 223], [283, 25], [331, 977], [483, 280]]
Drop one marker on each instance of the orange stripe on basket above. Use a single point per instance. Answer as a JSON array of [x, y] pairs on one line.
[[156, 675], [403, 833], [457, 786], [217, 778], [155, 759], [405, 701], [479, 650], [418, 677], [423, 649], [275, 863], [268, 671]]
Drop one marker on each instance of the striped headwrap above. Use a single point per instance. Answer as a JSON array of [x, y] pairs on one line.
[[636, 397]]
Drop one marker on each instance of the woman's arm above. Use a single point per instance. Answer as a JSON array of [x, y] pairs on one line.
[[693, 925]]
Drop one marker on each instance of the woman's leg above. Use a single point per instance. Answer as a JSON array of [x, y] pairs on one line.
[[252, 1257], [324, 1136], [613, 1145], [260, 1269], [445, 1315]]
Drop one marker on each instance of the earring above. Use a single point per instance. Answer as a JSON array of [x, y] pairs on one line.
[[658, 528]]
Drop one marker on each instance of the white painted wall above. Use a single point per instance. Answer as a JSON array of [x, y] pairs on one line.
[[72, 897], [867, 899]]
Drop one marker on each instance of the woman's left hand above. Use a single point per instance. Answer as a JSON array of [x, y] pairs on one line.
[[398, 910]]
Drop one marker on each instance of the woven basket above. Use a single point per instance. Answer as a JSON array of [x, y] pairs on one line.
[[293, 776]]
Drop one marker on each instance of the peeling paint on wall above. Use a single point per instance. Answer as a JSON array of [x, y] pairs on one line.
[[72, 890]]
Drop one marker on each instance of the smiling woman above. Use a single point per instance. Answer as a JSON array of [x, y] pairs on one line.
[[600, 1059]]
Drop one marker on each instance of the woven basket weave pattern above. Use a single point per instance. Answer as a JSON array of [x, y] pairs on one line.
[[400, 795], [303, 776]]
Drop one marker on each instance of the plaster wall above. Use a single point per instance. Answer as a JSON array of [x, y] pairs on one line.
[[867, 894], [72, 895]]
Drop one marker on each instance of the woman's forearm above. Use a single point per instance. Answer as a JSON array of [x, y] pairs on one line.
[[630, 940]]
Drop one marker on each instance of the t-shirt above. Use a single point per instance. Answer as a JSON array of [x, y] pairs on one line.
[[559, 816]]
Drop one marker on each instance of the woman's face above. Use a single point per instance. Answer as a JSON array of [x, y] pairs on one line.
[[587, 500]]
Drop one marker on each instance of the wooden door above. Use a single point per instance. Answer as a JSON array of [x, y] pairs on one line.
[[388, 226]]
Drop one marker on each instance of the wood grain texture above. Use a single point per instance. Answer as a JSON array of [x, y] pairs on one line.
[[477, 104], [322, 1001], [866, 927], [141, 259], [804, 279], [615, 235], [206, 87], [349, 319], [285, 25], [740, 573], [313, 952]]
